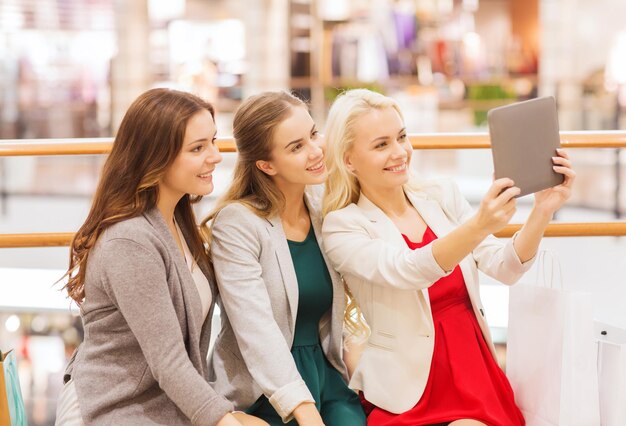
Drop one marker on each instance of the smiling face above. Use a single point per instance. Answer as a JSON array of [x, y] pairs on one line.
[[191, 172], [297, 155], [381, 152]]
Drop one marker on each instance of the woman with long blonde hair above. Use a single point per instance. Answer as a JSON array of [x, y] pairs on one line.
[[410, 252], [142, 276], [279, 354]]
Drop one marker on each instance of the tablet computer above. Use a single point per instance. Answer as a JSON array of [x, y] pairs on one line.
[[524, 138]]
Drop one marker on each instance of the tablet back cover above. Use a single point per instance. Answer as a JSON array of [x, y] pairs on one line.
[[524, 138]]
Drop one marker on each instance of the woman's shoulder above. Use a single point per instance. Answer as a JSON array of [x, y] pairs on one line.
[[350, 214], [441, 189], [350, 209], [236, 210], [131, 228], [237, 218], [133, 233], [131, 243]]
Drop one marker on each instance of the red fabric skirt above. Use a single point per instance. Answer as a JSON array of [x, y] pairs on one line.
[[464, 382]]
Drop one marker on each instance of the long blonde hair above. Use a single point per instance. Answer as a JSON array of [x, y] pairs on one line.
[[342, 187]]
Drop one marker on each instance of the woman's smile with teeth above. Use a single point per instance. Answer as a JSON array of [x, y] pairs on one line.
[[316, 167], [398, 168]]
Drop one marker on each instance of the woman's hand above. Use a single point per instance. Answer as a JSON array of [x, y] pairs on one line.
[[547, 202], [550, 200], [248, 420], [306, 414], [229, 420], [497, 207], [495, 211]]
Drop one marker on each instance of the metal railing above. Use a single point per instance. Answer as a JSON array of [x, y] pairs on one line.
[[585, 139]]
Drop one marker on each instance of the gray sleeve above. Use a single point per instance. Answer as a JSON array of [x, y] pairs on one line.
[[135, 279], [236, 249]]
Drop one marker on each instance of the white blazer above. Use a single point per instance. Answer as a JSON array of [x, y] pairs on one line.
[[389, 282]]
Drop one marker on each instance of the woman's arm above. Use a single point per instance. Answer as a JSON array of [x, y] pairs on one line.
[[134, 277], [507, 262], [235, 249], [495, 211], [306, 414], [353, 252], [494, 257], [547, 202]]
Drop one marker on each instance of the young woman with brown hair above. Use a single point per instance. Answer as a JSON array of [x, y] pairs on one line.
[[279, 354], [142, 276]]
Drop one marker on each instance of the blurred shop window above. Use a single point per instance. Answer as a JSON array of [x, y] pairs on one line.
[[208, 58], [54, 83], [54, 71], [163, 11], [467, 56], [615, 74], [43, 342]]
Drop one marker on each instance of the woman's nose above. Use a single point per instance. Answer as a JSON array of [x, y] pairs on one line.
[[398, 150], [316, 149], [214, 156]]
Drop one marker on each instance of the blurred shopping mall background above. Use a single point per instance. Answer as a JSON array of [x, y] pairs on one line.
[[70, 68]]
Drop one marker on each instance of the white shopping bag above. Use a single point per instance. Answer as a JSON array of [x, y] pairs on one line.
[[612, 373], [551, 354]]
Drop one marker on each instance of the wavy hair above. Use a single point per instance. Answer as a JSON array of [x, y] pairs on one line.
[[254, 125], [342, 187], [149, 139]]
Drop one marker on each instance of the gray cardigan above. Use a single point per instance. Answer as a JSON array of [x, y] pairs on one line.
[[259, 300], [143, 358]]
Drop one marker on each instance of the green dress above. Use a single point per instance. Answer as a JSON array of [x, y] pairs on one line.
[[337, 404]]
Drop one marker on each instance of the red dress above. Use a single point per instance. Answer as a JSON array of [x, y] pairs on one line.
[[464, 382]]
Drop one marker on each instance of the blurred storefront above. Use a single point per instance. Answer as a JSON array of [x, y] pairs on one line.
[[70, 68]]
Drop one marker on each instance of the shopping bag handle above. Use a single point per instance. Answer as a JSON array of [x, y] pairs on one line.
[[549, 266], [14, 394]]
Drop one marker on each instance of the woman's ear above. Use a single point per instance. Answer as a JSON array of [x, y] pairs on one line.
[[266, 167], [348, 163]]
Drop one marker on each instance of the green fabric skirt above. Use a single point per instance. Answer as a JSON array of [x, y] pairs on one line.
[[337, 404]]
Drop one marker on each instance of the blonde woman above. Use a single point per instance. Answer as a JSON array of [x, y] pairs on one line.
[[278, 355], [410, 254]]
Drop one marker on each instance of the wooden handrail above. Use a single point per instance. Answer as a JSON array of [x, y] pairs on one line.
[[583, 139], [95, 146], [599, 229], [53, 239], [585, 229]]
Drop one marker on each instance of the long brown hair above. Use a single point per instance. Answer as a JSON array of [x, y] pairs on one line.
[[149, 138], [254, 125], [253, 129]]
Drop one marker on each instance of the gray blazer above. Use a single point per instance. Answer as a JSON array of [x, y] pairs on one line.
[[143, 360], [259, 300]]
